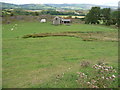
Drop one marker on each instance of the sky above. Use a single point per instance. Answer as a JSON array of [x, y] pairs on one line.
[[97, 2]]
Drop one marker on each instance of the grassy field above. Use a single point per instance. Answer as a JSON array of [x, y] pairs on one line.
[[36, 62]]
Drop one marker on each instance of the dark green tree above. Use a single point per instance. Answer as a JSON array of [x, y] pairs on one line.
[[11, 14], [106, 16], [36, 13], [93, 16], [115, 18]]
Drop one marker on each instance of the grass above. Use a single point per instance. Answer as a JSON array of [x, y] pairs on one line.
[[30, 28], [35, 62]]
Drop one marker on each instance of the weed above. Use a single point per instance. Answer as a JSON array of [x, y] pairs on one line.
[[104, 76], [85, 64]]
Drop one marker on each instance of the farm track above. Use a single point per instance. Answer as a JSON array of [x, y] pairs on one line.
[[85, 36]]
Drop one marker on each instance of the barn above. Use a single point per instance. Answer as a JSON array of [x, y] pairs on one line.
[[58, 20]]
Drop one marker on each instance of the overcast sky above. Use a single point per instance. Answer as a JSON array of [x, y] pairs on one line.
[[98, 2]]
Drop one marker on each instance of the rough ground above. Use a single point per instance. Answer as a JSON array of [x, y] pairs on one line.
[[86, 36]]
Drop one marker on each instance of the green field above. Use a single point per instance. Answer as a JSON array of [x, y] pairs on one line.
[[35, 62]]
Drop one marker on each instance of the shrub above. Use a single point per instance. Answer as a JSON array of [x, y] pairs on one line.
[[85, 63], [104, 76]]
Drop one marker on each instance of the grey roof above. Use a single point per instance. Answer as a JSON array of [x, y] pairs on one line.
[[66, 20]]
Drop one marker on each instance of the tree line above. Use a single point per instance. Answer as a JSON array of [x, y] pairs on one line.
[[12, 12], [103, 16]]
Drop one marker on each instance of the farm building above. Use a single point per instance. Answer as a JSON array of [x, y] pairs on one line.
[[65, 21], [58, 20]]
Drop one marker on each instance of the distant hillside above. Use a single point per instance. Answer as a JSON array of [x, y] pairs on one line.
[[8, 5], [79, 6], [36, 6], [26, 6], [71, 6], [53, 6]]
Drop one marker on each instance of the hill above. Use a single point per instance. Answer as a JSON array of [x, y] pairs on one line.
[[26, 6], [53, 6], [79, 6]]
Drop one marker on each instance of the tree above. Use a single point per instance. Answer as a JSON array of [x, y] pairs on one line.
[[105, 16], [93, 16], [36, 13], [115, 18], [11, 14]]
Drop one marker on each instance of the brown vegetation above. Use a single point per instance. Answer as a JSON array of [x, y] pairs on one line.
[[86, 36]]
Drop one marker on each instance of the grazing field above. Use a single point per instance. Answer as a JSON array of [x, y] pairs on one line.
[[53, 62]]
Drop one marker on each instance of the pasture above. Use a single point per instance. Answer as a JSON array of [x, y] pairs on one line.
[[37, 62]]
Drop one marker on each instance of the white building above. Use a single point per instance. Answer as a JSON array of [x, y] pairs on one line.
[[43, 20], [57, 20]]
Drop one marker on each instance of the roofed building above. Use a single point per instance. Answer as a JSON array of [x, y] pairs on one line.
[[58, 20], [65, 21]]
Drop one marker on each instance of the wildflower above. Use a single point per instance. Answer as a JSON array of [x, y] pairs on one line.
[[113, 76], [96, 65], [111, 67], [107, 78], [106, 69], [99, 66], [102, 67], [83, 74], [96, 68], [94, 86], [88, 82], [103, 63], [110, 77], [103, 77]]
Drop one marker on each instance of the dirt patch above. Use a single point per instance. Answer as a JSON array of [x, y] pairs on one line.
[[86, 36]]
